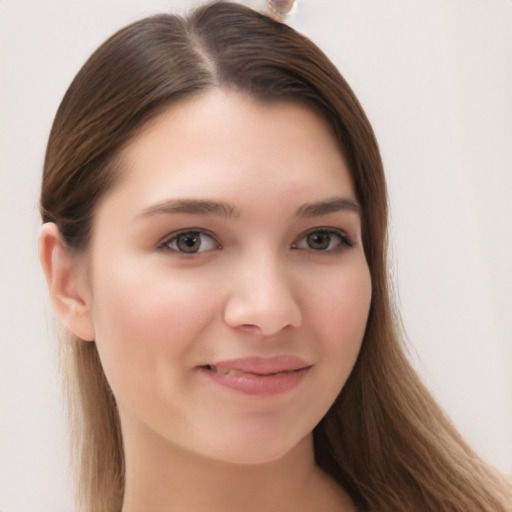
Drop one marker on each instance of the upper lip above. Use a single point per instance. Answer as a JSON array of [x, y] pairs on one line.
[[264, 365]]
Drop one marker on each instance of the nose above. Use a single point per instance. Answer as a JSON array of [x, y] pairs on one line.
[[261, 298]]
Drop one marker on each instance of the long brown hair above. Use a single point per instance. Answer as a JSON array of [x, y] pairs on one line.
[[384, 440]]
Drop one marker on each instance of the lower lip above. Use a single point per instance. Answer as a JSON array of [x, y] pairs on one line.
[[258, 384]]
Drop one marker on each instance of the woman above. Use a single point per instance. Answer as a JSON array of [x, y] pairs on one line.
[[214, 241]]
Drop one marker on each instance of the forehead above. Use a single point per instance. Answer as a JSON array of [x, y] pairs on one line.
[[226, 144]]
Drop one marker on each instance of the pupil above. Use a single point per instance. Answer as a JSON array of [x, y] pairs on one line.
[[188, 242], [319, 240]]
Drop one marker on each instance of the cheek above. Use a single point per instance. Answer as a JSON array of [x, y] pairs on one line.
[[143, 318], [335, 317], [339, 312]]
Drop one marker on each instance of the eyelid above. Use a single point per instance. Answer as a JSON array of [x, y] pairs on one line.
[[163, 244], [345, 240]]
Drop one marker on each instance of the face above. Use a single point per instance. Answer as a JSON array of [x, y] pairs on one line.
[[228, 287]]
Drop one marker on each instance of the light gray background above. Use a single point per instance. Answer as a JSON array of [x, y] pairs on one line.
[[435, 79]]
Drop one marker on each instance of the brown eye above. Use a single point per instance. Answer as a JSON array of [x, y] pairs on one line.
[[189, 242], [323, 240], [319, 241]]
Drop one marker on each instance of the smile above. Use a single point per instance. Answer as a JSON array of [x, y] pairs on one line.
[[258, 376], [231, 371]]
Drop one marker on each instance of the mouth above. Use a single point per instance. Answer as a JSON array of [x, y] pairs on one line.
[[232, 371], [257, 375]]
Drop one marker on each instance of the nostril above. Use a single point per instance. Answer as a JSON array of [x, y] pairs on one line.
[[250, 327]]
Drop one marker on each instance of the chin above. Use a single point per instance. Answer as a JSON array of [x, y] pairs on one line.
[[252, 459], [252, 453]]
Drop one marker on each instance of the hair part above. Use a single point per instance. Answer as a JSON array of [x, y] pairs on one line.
[[384, 440]]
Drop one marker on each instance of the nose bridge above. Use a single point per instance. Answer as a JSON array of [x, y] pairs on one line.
[[262, 294]]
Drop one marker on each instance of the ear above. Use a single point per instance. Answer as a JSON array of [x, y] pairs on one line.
[[67, 282]]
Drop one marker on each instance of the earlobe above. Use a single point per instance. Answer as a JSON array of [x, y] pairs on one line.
[[67, 284]]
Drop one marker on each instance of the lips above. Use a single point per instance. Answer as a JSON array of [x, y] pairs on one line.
[[259, 375], [231, 371], [261, 365]]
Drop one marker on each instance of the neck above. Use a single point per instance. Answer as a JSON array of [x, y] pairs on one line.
[[164, 478]]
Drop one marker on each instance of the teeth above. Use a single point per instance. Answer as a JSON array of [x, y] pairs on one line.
[[233, 372], [226, 371]]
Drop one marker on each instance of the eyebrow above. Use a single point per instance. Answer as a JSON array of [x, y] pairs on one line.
[[226, 210], [336, 204], [190, 206]]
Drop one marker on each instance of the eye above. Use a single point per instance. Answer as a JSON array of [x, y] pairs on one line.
[[323, 240], [189, 242]]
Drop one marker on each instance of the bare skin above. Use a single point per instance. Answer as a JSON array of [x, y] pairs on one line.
[[262, 474], [234, 234], [191, 483]]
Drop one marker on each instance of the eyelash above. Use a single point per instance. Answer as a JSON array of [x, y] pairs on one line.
[[165, 244], [344, 241]]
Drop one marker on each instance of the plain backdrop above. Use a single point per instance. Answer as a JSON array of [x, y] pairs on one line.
[[435, 79]]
